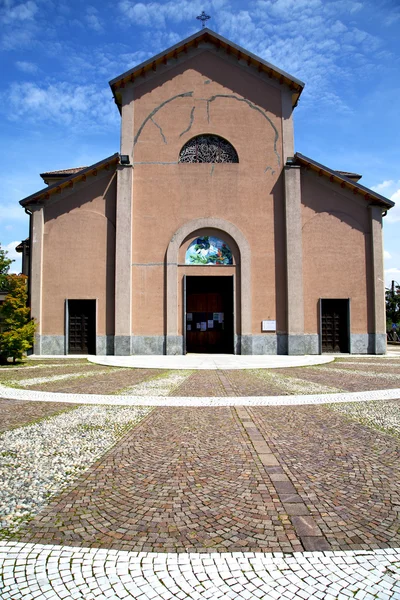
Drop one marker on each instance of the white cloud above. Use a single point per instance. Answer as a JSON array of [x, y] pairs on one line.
[[387, 255], [21, 12], [390, 188], [16, 266], [161, 14], [393, 215], [26, 67], [392, 274], [10, 249], [382, 187], [11, 212], [62, 103], [93, 20]]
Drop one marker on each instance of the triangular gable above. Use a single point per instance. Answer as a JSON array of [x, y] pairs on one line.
[[206, 36]]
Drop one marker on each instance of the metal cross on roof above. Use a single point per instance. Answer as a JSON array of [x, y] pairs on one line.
[[203, 18]]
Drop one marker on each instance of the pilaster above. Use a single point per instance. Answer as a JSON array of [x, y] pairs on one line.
[[123, 233], [37, 273], [287, 125], [378, 294], [294, 261], [123, 261]]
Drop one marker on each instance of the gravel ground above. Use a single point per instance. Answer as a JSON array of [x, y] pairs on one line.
[[379, 375], [293, 385], [39, 460], [31, 381], [382, 415], [161, 385]]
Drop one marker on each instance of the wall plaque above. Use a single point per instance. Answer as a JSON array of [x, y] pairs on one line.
[[268, 326]]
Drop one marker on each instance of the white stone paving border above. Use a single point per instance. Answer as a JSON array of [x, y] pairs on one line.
[[30, 571], [121, 400], [210, 361]]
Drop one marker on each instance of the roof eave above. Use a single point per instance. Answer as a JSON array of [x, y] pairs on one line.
[[39, 197], [334, 176]]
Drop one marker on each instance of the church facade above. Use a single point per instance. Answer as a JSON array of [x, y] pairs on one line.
[[206, 232]]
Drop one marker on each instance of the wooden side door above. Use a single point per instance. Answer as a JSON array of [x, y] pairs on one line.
[[334, 326], [81, 329]]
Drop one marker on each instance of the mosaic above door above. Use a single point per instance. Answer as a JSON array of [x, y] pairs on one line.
[[208, 250]]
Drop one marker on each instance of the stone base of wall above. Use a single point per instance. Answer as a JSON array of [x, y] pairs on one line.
[[281, 344], [104, 345], [174, 345], [368, 343], [50, 344], [148, 344]]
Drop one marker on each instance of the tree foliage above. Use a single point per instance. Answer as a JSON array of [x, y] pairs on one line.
[[17, 329], [393, 306]]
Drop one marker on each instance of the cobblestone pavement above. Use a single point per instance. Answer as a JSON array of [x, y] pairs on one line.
[[257, 501], [38, 571], [348, 473], [272, 479]]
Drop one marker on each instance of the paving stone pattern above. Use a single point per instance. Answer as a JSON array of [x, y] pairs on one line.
[[259, 479], [347, 473], [114, 381], [15, 413], [30, 571], [173, 485]]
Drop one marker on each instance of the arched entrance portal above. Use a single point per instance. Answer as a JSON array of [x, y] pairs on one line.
[[208, 284]]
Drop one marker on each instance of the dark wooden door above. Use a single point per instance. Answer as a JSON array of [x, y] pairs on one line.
[[81, 330], [334, 326], [209, 315]]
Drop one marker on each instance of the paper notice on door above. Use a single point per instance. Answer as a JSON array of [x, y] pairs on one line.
[[189, 328], [189, 317], [220, 317], [203, 326], [198, 326], [210, 324], [215, 316]]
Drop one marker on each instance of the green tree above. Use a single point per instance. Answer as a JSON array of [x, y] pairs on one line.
[[17, 329], [393, 306], [4, 267]]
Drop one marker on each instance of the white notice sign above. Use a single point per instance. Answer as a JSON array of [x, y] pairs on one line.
[[268, 326]]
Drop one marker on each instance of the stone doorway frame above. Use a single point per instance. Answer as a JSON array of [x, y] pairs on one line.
[[174, 342]]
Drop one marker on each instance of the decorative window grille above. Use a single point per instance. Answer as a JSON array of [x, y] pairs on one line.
[[208, 149]]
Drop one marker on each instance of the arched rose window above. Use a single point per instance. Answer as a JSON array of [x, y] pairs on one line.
[[208, 149], [208, 250]]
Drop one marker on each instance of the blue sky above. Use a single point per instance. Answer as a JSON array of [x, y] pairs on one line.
[[57, 111]]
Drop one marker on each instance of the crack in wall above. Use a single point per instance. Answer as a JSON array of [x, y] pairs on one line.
[[269, 169], [155, 111], [252, 106], [190, 122], [160, 128]]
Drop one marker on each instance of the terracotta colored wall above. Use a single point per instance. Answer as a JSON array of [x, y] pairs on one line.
[[206, 95], [336, 250], [78, 256]]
